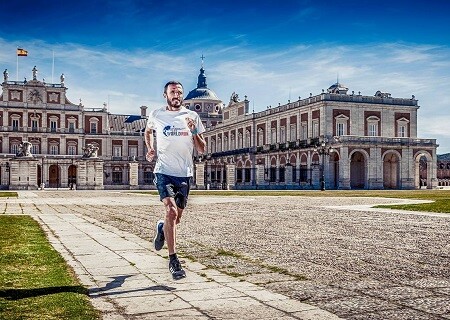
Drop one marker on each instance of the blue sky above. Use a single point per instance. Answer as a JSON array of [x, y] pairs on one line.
[[122, 52]]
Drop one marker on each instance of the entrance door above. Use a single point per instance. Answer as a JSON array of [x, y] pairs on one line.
[[53, 176], [72, 175]]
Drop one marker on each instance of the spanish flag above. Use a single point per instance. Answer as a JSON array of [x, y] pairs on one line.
[[21, 52]]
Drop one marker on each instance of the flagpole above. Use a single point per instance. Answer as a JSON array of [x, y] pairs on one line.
[[17, 67], [53, 64]]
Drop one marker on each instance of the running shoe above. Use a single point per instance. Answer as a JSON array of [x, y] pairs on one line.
[[176, 270], [159, 238]]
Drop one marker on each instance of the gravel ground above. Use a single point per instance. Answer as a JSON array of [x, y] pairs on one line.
[[356, 264]]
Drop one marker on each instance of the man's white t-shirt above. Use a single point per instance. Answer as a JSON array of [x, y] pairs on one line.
[[174, 141]]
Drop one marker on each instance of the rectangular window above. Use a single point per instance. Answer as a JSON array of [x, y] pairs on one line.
[[402, 131], [282, 135], [53, 125], [315, 129], [72, 150], [133, 151], [54, 149], [34, 125], [117, 151], [373, 129], [15, 124], [14, 148], [304, 131], [71, 127], [340, 129], [93, 127], [35, 149], [273, 138], [293, 133]]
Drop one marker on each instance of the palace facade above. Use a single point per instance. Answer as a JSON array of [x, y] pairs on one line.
[[333, 140]]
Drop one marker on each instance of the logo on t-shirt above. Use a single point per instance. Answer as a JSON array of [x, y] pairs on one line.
[[172, 131]]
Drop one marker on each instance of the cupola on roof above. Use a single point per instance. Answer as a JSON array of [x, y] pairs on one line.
[[338, 88], [202, 91]]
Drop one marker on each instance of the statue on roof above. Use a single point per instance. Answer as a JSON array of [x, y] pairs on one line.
[[234, 97], [62, 78], [34, 73], [5, 75]]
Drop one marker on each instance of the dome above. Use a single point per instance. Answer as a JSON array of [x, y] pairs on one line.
[[202, 91]]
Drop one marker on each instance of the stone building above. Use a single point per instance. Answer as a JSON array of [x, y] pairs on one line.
[[333, 140], [62, 135]]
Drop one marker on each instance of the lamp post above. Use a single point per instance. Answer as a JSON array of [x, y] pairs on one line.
[[324, 149]]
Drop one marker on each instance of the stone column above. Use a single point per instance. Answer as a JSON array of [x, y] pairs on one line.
[[288, 174], [134, 175], [260, 174], [231, 176], [200, 175]]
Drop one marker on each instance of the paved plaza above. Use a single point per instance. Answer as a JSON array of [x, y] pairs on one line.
[[250, 257]]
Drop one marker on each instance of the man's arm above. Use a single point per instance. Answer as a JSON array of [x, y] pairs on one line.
[[199, 140], [148, 135], [199, 143]]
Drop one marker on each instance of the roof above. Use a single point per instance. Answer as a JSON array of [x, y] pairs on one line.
[[202, 93], [129, 123]]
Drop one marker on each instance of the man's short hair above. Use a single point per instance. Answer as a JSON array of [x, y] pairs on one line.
[[172, 82]]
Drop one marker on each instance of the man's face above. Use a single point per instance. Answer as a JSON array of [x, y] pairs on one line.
[[174, 95]]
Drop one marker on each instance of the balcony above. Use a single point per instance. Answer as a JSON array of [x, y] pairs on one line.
[[386, 141]]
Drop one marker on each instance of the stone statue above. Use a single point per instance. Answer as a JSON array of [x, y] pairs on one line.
[[234, 97], [62, 78], [34, 73], [24, 149], [90, 151], [5, 75]]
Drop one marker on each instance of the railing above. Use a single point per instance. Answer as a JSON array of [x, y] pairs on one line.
[[386, 140]]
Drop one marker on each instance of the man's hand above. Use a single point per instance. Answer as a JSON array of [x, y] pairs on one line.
[[191, 125], [150, 155]]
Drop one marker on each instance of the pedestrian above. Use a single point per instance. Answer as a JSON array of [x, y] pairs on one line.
[[178, 130]]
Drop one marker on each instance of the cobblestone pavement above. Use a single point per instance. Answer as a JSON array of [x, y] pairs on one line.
[[357, 264]]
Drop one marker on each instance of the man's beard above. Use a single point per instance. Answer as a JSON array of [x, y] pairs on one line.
[[174, 103]]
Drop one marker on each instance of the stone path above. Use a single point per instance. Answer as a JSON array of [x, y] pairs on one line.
[[274, 253], [128, 280]]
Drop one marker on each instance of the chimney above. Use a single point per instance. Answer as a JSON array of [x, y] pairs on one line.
[[143, 111]]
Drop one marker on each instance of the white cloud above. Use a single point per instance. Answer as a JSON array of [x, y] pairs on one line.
[[267, 76]]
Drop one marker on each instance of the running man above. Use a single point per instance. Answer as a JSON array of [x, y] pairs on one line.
[[178, 130]]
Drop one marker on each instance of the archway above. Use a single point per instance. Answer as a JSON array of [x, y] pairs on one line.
[[423, 170], [391, 165], [357, 171]]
